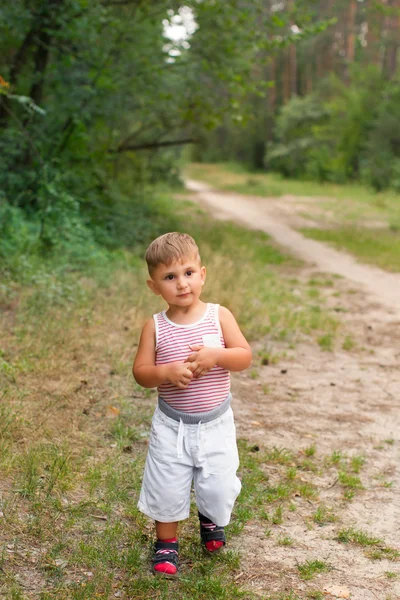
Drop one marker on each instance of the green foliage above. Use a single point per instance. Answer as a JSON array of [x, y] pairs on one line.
[[91, 91], [381, 166], [324, 135], [296, 130]]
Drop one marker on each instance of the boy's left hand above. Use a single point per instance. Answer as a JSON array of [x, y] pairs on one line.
[[203, 359]]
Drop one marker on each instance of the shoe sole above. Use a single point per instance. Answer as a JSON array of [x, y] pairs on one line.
[[165, 575]]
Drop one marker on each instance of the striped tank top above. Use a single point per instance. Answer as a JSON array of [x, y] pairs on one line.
[[172, 344]]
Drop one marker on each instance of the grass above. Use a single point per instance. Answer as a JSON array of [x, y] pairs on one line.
[[323, 515], [311, 568], [285, 540], [74, 426], [376, 549], [350, 217], [378, 247], [358, 537]]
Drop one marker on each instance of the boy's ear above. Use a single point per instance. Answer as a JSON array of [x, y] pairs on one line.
[[203, 274], [153, 286]]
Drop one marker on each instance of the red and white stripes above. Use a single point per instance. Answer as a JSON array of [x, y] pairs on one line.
[[173, 343]]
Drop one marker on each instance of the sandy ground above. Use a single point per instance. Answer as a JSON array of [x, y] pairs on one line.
[[344, 401]]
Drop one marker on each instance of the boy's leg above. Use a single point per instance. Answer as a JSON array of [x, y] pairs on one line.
[[166, 531], [215, 481], [212, 536], [165, 560], [165, 493]]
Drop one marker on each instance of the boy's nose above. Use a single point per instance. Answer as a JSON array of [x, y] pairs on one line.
[[181, 283]]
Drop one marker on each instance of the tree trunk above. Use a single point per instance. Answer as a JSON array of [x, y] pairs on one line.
[[391, 32], [349, 39], [293, 69]]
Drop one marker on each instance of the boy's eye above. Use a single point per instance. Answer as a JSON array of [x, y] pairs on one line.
[[189, 273], [169, 277]]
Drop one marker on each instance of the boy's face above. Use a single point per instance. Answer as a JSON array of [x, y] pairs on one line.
[[179, 283]]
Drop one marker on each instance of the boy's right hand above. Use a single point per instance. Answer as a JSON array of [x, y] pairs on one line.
[[179, 374]]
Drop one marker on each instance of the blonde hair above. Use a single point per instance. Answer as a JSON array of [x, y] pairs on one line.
[[169, 247]]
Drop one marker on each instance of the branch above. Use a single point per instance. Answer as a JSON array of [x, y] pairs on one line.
[[151, 145]]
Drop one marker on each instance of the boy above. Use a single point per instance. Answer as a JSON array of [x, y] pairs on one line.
[[187, 352]]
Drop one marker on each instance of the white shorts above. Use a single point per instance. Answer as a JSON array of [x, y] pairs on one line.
[[179, 453]]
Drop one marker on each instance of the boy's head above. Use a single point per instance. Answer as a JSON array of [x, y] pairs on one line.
[[175, 269], [171, 247]]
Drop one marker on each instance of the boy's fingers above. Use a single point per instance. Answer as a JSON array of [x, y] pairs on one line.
[[195, 347], [191, 357]]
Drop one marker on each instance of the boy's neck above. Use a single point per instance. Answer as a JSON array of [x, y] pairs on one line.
[[185, 315]]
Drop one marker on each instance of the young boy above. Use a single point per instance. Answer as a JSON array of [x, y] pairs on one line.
[[187, 352]]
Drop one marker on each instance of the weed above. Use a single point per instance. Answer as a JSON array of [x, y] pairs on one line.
[[336, 457], [349, 494], [391, 575], [311, 450], [323, 515], [277, 517], [357, 536], [348, 343], [381, 553], [350, 481], [310, 568], [285, 540], [280, 456], [357, 463], [291, 473], [326, 342], [315, 595], [307, 490], [308, 465]]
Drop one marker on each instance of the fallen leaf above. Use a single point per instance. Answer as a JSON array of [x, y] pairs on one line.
[[112, 412], [337, 591]]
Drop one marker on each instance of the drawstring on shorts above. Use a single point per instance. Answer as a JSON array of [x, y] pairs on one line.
[[180, 438]]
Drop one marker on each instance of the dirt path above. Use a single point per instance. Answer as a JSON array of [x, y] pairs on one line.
[[260, 213], [345, 402]]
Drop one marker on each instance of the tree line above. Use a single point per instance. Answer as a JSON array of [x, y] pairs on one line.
[[332, 111], [96, 104]]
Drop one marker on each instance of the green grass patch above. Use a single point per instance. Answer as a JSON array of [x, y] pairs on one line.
[[379, 247], [311, 568], [285, 540], [358, 537], [323, 515], [376, 549], [350, 481]]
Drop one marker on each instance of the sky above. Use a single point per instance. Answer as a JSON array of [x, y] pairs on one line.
[[178, 28]]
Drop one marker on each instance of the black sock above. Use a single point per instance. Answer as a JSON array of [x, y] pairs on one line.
[[204, 519]]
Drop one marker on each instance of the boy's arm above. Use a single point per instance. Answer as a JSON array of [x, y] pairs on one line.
[[150, 375], [236, 356]]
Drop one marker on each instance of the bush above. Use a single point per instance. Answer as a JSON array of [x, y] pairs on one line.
[[381, 166]]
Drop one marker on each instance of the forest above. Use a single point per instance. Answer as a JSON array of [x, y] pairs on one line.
[[101, 103], [269, 130]]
